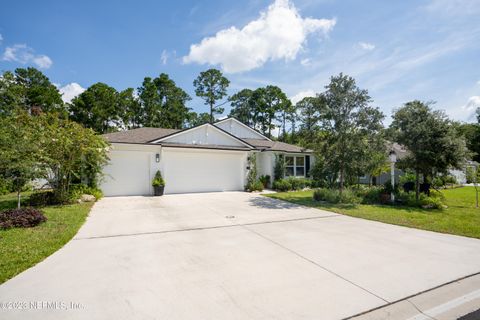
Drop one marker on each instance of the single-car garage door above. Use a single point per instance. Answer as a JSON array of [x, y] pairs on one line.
[[127, 174], [187, 170]]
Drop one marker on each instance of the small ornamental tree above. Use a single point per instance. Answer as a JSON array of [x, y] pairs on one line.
[[20, 150], [70, 152]]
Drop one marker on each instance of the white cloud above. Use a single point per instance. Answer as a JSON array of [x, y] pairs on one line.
[[42, 61], [472, 104], [23, 54], [164, 57], [366, 46], [302, 94], [306, 62], [70, 91], [279, 33], [1, 38]]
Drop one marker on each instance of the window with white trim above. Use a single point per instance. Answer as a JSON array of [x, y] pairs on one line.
[[295, 166]]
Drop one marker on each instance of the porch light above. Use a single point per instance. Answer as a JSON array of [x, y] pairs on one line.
[[157, 157]]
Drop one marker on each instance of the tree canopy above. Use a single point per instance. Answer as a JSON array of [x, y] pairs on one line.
[[211, 86], [433, 142]]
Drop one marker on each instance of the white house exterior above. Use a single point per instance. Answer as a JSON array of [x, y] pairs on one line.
[[201, 159]]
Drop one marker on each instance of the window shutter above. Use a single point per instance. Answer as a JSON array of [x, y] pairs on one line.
[[307, 166]]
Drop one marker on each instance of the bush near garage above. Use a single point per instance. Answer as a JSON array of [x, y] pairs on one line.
[[21, 218], [348, 196]]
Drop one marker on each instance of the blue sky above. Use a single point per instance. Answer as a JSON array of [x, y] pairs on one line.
[[398, 50]]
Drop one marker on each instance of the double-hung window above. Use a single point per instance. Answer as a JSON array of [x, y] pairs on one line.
[[295, 166]]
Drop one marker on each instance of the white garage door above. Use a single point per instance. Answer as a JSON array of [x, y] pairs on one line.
[[127, 174], [202, 171]]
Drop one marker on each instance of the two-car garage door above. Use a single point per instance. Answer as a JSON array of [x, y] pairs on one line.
[[184, 170], [190, 170]]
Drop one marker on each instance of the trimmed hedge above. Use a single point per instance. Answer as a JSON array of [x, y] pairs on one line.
[[21, 218]]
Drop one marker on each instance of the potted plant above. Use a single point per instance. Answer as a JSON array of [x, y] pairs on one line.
[[158, 184]]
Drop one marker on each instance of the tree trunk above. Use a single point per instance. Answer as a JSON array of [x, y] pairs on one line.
[[211, 113], [341, 179], [18, 199], [417, 184]]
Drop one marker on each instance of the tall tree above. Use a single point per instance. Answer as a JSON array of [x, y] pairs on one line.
[[349, 124], [163, 103], [432, 140], [308, 109], [96, 108], [30, 90], [241, 103], [211, 86], [276, 102], [129, 109]]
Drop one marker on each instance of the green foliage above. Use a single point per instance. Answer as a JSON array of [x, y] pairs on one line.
[[352, 127], [158, 180], [5, 186], [252, 172], [129, 109], [471, 133], [70, 152], [211, 86], [77, 190], [443, 180], [163, 103], [435, 201], [21, 150], [387, 187], [299, 183], [243, 108], [470, 174], [196, 119], [347, 196], [279, 168], [42, 199], [265, 180], [96, 108], [433, 141], [255, 186], [282, 185], [29, 90], [370, 195], [408, 176]]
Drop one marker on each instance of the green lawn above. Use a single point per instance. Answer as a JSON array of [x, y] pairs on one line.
[[22, 248], [460, 218]]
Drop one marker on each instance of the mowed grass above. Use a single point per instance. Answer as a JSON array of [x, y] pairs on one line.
[[460, 218], [22, 248]]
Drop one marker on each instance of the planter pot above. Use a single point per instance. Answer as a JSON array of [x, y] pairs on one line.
[[158, 191]]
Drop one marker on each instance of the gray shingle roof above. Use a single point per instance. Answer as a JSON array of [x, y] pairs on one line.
[[145, 135], [140, 135]]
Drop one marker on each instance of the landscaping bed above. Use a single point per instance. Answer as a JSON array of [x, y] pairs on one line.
[[459, 217], [22, 248]]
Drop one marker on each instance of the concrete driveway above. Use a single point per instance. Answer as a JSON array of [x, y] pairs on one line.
[[232, 256]]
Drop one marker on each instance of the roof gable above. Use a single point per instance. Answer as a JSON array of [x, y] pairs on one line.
[[205, 134], [239, 129]]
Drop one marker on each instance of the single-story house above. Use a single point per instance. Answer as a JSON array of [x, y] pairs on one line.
[[209, 157]]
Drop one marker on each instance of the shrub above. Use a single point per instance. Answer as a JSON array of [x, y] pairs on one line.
[[76, 191], [265, 180], [158, 180], [279, 168], [5, 186], [434, 201], [370, 195], [23, 218], [333, 196], [255, 186], [282, 185], [42, 199], [387, 187]]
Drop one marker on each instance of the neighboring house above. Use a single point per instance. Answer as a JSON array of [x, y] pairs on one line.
[[384, 177], [200, 159]]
